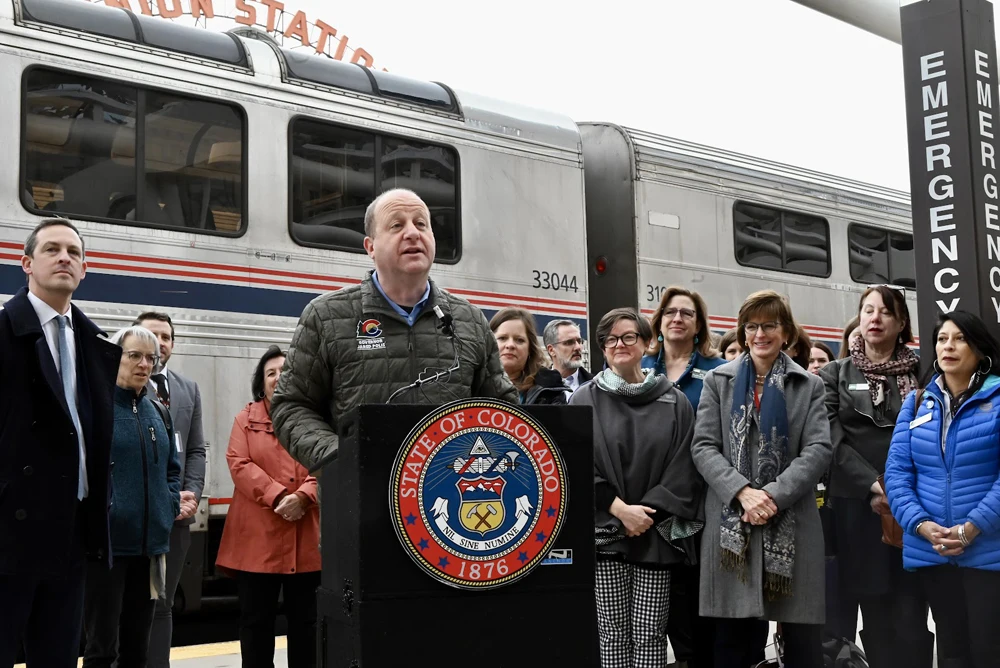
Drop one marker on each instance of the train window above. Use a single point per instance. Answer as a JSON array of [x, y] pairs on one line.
[[90, 152], [881, 256], [336, 173], [781, 240]]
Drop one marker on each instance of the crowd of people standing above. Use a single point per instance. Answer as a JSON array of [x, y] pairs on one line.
[[708, 456]]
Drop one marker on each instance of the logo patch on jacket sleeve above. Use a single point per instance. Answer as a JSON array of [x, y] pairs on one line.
[[478, 494], [370, 335]]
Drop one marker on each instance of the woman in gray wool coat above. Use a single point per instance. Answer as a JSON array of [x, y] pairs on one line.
[[762, 441]]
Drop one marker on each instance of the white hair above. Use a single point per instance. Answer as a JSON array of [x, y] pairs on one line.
[[141, 333]]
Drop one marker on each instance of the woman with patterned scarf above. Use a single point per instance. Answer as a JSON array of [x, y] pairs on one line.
[[647, 493], [762, 442], [864, 394]]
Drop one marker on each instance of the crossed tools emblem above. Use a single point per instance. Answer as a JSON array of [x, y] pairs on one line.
[[483, 518]]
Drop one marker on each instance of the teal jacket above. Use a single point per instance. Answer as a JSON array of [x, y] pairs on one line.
[[145, 478], [690, 382]]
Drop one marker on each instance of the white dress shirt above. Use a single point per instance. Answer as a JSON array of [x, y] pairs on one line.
[[50, 328], [572, 381]]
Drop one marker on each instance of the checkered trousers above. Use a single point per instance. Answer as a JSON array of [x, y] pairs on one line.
[[632, 607]]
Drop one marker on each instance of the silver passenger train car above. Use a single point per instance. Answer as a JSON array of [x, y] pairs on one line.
[[224, 179]]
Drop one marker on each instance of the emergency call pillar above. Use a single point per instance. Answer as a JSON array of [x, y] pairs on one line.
[[950, 77]]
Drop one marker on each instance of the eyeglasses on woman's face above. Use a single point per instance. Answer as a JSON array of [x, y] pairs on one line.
[[629, 339], [751, 328], [684, 313], [135, 357]]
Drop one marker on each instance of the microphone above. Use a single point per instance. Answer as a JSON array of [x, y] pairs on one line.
[[445, 319], [432, 375]]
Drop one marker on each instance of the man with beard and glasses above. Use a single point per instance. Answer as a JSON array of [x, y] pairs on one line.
[[565, 346]]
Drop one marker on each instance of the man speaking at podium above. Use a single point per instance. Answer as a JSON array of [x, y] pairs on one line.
[[395, 337]]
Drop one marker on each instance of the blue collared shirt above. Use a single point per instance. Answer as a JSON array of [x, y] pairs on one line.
[[410, 317]]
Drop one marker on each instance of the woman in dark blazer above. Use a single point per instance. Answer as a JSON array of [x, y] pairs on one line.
[[864, 393]]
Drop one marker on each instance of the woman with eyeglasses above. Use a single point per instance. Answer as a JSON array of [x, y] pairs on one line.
[[943, 485], [522, 358], [271, 539], [762, 441], [145, 501], [647, 493], [683, 352], [864, 394]]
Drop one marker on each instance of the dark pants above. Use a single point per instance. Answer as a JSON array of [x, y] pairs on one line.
[[691, 635], [46, 613], [259, 607], [118, 614], [740, 642], [161, 634], [966, 607]]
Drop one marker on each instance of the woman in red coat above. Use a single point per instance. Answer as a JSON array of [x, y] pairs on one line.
[[271, 539]]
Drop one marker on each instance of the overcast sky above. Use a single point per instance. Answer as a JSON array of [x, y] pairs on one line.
[[769, 78]]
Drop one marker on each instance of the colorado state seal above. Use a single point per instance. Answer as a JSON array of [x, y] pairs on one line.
[[478, 494]]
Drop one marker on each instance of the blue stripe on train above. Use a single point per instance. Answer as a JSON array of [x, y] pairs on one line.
[[167, 293]]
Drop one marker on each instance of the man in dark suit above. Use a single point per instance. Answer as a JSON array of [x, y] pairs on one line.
[[55, 438], [183, 399], [565, 347]]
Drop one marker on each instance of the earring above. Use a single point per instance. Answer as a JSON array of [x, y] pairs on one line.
[[660, 338], [695, 339], [935, 366], [988, 368]]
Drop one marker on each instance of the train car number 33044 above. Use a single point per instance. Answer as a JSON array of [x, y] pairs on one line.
[[553, 281]]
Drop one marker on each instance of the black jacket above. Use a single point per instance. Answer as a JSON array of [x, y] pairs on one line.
[[642, 455], [547, 390], [860, 433], [39, 463]]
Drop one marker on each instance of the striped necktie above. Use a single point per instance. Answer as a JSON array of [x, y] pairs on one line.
[[66, 372]]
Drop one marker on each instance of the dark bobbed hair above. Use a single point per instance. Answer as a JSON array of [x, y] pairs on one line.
[[727, 340], [895, 301], [156, 315], [979, 339], [704, 345], [803, 347], [536, 358], [769, 304], [257, 384], [825, 348], [611, 318], [845, 343]]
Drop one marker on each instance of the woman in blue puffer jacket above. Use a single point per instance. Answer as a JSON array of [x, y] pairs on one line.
[[943, 483]]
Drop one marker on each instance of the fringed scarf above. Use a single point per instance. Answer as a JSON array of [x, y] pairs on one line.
[[902, 365], [609, 381], [772, 458]]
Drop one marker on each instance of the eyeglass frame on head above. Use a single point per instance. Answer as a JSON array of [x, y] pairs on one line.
[[773, 324], [610, 337], [898, 288], [152, 359]]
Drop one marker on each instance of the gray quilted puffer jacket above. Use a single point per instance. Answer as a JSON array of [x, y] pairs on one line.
[[350, 348]]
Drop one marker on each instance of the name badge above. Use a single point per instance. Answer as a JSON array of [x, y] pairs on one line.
[[177, 441], [698, 374], [853, 387], [668, 398], [923, 419]]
